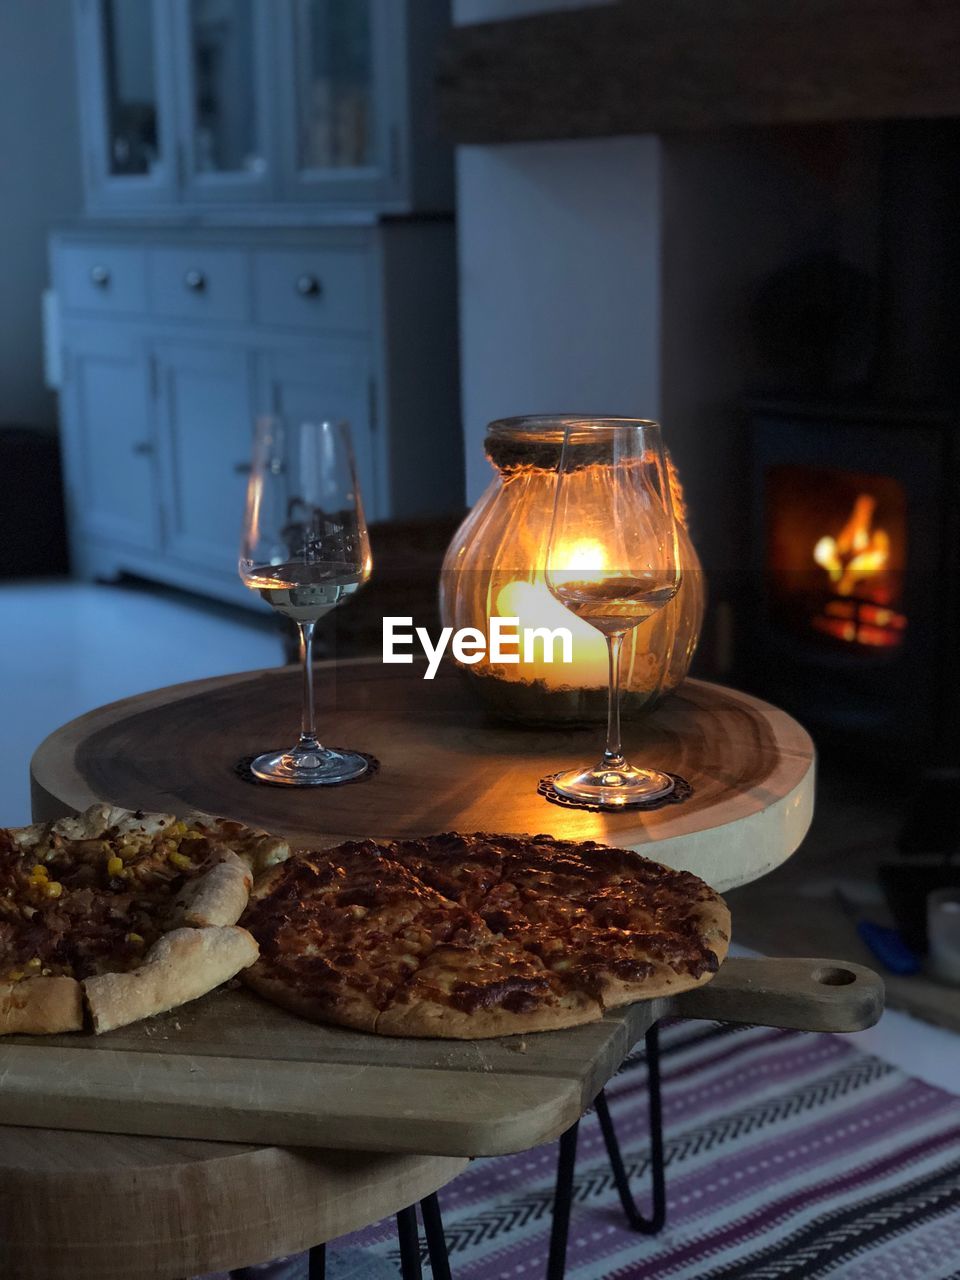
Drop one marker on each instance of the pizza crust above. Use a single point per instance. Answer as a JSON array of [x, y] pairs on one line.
[[217, 898], [41, 1006], [181, 966], [714, 925], [258, 849], [430, 1018], [348, 1010], [264, 884], [93, 823]]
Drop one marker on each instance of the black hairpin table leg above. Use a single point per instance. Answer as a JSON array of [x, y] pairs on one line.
[[436, 1244], [649, 1226], [408, 1235], [317, 1262], [563, 1194], [562, 1201]]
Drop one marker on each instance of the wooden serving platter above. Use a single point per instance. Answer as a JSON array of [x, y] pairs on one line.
[[444, 765], [231, 1067]]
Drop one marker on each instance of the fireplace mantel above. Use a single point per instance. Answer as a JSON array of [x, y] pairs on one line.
[[651, 66]]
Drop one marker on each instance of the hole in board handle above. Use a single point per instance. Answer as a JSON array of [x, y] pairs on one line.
[[834, 976]]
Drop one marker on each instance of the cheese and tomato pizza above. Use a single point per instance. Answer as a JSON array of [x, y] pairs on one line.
[[470, 936]]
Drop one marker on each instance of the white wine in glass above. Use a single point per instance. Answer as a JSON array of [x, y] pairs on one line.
[[305, 549], [306, 592], [613, 559]]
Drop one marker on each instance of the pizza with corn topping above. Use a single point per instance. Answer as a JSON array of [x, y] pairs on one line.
[[115, 915]]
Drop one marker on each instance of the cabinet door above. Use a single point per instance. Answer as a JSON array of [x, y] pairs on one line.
[[205, 431], [340, 136], [108, 436], [225, 92], [126, 101], [311, 384]]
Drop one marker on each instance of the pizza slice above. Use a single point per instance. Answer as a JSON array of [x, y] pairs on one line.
[[481, 985], [341, 933], [609, 922]]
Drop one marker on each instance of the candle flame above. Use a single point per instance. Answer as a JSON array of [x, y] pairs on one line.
[[586, 556], [532, 604]]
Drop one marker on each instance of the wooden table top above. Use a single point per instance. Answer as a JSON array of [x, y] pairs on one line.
[[444, 765], [94, 1206]]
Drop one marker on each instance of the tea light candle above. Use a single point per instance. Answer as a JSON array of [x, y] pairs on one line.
[[943, 934]]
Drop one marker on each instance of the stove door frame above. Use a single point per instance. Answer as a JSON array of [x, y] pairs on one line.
[[900, 696]]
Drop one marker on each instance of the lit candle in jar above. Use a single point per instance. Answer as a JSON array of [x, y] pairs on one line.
[[494, 568]]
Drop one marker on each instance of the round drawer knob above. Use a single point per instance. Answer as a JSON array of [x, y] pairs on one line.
[[143, 448], [100, 276], [195, 280], [309, 286]]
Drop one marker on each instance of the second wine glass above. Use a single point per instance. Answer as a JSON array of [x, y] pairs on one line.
[[613, 559], [305, 549]]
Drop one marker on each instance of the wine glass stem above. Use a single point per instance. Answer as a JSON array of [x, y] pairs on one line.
[[308, 727], [613, 755]]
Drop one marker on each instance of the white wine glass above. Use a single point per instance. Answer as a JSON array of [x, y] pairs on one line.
[[305, 549], [613, 559]]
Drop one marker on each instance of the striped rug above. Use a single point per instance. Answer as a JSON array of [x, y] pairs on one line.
[[789, 1155]]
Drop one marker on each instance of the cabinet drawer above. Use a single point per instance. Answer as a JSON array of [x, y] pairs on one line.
[[312, 289], [201, 284], [105, 279]]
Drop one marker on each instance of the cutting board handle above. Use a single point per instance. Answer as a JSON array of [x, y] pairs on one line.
[[805, 995]]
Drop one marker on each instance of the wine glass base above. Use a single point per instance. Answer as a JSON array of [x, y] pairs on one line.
[[614, 788], [321, 768]]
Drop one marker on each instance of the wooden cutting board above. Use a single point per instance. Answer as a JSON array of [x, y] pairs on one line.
[[231, 1067]]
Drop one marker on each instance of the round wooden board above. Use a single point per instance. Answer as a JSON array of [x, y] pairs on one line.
[[92, 1206], [444, 765]]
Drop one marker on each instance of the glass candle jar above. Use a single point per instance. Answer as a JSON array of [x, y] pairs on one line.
[[494, 567]]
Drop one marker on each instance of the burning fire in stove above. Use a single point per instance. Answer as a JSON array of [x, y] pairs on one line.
[[858, 562], [857, 552]]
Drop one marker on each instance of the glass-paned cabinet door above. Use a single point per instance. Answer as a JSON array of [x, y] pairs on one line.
[[126, 101], [334, 84], [338, 132], [224, 99]]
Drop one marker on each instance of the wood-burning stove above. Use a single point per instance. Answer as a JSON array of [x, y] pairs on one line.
[[851, 614]]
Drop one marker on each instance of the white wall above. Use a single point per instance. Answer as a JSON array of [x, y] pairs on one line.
[[559, 282], [559, 272], [39, 185]]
